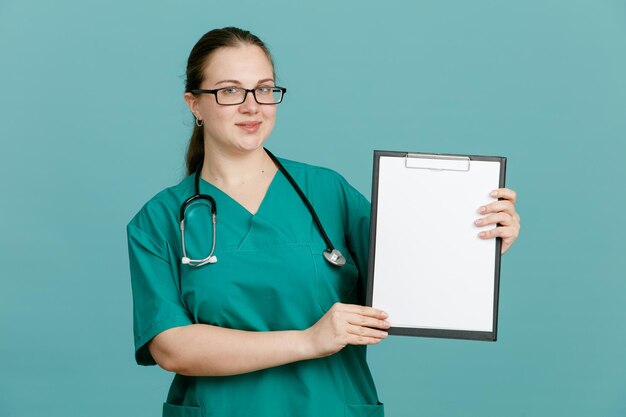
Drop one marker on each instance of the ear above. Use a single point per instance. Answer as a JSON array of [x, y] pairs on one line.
[[192, 103]]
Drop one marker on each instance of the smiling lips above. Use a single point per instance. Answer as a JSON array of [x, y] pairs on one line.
[[249, 127]]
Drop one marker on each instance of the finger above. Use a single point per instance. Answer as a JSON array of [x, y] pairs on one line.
[[504, 193], [360, 320], [365, 311], [498, 206], [505, 246], [503, 232], [501, 218], [362, 340], [366, 332]]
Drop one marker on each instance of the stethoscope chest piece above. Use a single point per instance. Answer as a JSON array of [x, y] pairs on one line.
[[334, 257]]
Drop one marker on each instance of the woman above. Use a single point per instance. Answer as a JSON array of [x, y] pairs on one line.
[[264, 325]]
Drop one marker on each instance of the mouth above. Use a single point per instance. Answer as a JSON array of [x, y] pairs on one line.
[[249, 127]]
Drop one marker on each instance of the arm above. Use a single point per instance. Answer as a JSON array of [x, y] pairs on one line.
[[204, 350]]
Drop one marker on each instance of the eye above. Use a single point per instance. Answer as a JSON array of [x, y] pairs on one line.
[[230, 90], [264, 90]]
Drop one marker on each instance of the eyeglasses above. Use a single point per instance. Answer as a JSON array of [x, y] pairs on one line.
[[230, 96]]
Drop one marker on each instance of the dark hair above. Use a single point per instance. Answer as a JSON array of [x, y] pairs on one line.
[[197, 62]]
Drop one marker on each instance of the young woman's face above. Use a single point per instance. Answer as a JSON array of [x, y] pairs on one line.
[[236, 128]]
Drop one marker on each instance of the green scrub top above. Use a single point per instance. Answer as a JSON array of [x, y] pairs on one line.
[[270, 275]]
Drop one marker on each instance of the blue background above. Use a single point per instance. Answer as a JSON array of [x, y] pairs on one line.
[[93, 124]]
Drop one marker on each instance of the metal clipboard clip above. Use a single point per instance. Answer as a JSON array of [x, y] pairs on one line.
[[437, 162]]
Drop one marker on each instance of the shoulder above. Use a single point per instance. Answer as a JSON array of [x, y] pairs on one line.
[[319, 180], [163, 208], [313, 173]]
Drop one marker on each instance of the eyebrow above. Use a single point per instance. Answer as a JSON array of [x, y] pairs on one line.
[[237, 82]]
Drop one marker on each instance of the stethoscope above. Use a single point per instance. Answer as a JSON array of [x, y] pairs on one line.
[[331, 254]]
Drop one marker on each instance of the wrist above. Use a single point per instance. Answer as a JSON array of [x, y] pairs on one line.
[[305, 345]]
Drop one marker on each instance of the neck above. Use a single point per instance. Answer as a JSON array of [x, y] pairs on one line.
[[234, 169]]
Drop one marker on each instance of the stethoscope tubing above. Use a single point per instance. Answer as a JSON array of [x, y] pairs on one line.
[[305, 200], [331, 254]]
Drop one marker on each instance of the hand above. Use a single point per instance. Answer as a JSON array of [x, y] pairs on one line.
[[505, 216], [346, 324]]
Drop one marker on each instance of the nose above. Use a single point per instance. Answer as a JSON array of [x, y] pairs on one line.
[[249, 105]]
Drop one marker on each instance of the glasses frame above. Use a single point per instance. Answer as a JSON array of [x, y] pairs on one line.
[[245, 95]]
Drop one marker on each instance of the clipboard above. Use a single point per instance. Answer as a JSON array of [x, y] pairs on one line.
[[428, 269]]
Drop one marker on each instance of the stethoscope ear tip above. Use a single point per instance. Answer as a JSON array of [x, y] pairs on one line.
[[210, 260]]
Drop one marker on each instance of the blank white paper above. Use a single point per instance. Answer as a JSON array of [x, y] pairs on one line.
[[431, 270]]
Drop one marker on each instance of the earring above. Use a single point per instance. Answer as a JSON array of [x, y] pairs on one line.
[[199, 122]]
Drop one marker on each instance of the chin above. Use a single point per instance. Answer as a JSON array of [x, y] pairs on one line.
[[250, 145], [252, 142]]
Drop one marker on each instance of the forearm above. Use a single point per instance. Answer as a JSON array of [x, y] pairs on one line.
[[204, 350]]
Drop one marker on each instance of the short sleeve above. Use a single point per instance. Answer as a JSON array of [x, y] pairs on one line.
[[358, 235], [157, 303]]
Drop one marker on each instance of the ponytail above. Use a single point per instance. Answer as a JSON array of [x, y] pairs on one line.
[[195, 150]]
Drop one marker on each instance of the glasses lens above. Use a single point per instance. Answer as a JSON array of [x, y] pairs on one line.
[[268, 95], [230, 95]]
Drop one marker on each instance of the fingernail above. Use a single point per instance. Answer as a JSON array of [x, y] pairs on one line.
[[478, 222], [385, 334], [482, 209], [387, 323], [385, 315], [482, 234], [494, 193]]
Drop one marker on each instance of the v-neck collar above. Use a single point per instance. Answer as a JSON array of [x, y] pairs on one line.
[[227, 198]]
